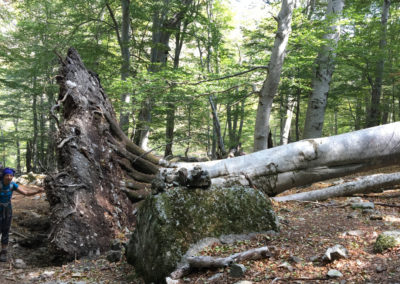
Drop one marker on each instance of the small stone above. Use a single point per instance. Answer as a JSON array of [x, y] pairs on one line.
[[216, 277], [354, 199], [380, 268], [352, 215], [237, 270], [333, 273], [19, 264], [76, 275], [356, 233], [375, 217], [314, 258], [387, 240], [114, 255], [368, 211], [295, 259], [287, 266], [244, 282], [362, 205], [334, 253], [169, 280]]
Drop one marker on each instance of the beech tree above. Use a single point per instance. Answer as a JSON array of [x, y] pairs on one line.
[[323, 74], [270, 85]]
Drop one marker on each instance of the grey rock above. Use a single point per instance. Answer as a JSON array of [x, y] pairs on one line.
[[237, 270], [295, 259], [355, 233], [169, 223], [169, 280], [376, 217], [216, 277], [19, 264], [114, 255], [387, 240], [314, 258], [334, 253], [352, 215], [333, 273], [363, 205], [354, 199], [287, 266], [380, 268], [244, 282], [368, 211]]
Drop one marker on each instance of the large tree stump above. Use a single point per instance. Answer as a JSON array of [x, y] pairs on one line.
[[95, 159]]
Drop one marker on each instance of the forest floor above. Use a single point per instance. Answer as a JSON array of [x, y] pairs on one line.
[[308, 229]]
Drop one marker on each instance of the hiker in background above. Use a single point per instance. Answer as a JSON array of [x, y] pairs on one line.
[[6, 192]]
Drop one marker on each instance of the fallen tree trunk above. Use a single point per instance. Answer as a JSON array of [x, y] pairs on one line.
[[362, 185], [275, 170]]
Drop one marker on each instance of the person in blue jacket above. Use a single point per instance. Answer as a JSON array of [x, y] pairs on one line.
[[7, 187]]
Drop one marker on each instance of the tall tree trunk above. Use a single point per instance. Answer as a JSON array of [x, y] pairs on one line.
[[17, 144], [374, 112], [125, 38], [28, 155], [217, 129], [270, 86], [162, 30], [35, 126], [323, 74]]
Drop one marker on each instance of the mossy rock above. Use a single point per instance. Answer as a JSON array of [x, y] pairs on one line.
[[169, 223], [387, 240]]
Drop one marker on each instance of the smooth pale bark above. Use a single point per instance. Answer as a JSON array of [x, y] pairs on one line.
[[323, 75], [270, 85], [374, 112], [125, 37], [362, 185], [278, 169], [288, 121]]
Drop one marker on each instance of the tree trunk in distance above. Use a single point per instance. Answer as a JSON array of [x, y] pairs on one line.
[[277, 169], [374, 112], [288, 121], [217, 127], [322, 77], [270, 85], [362, 185]]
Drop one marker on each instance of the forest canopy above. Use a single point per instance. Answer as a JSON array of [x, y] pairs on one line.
[[184, 77]]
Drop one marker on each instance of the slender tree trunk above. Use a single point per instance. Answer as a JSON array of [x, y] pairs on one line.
[[288, 121], [125, 38], [323, 74], [217, 128], [374, 112], [35, 127], [17, 144], [28, 156], [270, 86]]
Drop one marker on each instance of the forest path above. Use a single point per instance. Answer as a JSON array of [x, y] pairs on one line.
[[307, 230]]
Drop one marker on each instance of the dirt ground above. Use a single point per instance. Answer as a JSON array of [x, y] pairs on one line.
[[308, 229]]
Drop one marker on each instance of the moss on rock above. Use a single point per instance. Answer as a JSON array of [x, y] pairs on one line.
[[387, 240], [170, 222]]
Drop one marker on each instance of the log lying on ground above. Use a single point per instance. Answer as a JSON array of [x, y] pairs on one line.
[[362, 185], [217, 262], [275, 170], [87, 202]]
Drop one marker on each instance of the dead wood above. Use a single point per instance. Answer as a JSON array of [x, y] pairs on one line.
[[362, 185], [87, 202]]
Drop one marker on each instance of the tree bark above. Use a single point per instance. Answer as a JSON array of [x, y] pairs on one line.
[[323, 74], [362, 185], [270, 85], [288, 121], [87, 196]]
